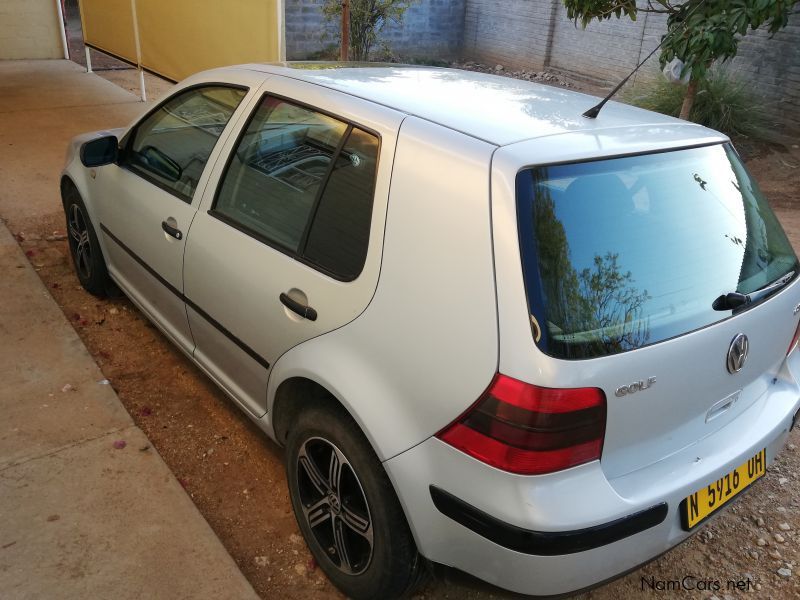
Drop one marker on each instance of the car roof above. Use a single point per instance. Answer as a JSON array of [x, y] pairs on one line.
[[497, 109]]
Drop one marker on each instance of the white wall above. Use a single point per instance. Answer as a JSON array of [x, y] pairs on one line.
[[29, 29]]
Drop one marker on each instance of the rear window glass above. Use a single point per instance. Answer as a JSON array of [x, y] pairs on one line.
[[622, 253]]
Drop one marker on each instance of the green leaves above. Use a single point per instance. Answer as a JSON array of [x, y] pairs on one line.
[[584, 11], [367, 19], [723, 102], [699, 32]]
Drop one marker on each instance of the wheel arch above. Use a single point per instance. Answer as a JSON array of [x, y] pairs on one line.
[[326, 370], [77, 178], [64, 184], [291, 397], [69, 178]]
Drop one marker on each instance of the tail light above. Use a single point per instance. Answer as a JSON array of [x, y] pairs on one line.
[[795, 341], [530, 430]]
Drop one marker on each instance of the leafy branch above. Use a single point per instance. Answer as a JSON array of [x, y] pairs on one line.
[[699, 32]]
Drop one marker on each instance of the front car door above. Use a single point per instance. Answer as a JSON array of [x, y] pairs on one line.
[[146, 202], [287, 243]]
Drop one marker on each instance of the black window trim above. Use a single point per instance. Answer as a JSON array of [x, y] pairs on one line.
[[302, 245], [656, 151], [127, 141], [298, 255]]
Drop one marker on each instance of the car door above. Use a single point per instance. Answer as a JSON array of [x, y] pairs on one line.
[[146, 201], [287, 244]]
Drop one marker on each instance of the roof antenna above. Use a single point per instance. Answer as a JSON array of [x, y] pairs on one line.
[[595, 110]]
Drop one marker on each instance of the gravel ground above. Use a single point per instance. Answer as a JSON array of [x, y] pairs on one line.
[[546, 77]]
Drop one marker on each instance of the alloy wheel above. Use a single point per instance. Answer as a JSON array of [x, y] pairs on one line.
[[79, 241], [334, 505]]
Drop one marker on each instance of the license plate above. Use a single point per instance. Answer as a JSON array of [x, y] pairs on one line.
[[697, 507]]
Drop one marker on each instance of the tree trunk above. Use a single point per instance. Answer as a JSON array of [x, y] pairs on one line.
[[688, 99], [344, 52]]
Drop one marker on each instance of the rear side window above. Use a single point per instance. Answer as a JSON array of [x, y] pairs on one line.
[[622, 253], [303, 182], [171, 146], [339, 233]]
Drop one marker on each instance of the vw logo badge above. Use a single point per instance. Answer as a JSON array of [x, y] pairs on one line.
[[737, 353]]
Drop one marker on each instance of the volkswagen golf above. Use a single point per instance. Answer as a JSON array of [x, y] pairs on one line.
[[490, 332]]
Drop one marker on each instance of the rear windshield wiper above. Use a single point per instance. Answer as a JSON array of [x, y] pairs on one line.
[[735, 300]]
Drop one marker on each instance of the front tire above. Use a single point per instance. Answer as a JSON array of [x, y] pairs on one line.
[[347, 509], [87, 257]]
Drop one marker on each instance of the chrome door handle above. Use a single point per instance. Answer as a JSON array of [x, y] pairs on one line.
[[301, 309], [170, 230]]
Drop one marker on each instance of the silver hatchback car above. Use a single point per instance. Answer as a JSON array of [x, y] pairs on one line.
[[491, 333]]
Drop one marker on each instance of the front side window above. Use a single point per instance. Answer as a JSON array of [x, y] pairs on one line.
[[303, 182], [172, 145], [622, 253]]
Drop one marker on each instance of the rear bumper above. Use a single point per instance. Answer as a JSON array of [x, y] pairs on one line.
[[534, 535], [545, 543]]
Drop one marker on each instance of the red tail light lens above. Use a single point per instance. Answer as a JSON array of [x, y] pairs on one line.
[[529, 430], [795, 341]]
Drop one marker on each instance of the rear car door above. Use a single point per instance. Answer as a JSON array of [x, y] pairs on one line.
[[287, 243], [146, 201]]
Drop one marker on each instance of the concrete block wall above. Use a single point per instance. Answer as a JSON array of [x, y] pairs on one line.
[[306, 30], [605, 52], [537, 33], [29, 29], [772, 64], [513, 33], [430, 28], [531, 34]]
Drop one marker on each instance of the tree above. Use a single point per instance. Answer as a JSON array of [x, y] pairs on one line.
[[699, 32], [367, 19]]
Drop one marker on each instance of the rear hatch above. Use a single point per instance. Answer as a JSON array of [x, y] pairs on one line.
[[640, 273]]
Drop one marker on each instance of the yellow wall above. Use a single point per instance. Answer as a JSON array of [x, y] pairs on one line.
[[181, 37], [29, 29], [108, 25]]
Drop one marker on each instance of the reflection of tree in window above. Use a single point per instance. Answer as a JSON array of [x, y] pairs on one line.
[[615, 304], [559, 278], [593, 312]]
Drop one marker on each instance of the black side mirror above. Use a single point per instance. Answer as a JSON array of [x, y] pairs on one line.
[[99, 152]]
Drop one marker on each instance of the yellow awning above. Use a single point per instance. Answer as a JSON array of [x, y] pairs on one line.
[[180, 37]]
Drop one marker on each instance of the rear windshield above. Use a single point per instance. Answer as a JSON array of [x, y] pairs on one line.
[[622, 253]]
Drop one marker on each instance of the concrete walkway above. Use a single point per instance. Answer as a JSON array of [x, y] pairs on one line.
[[43, 104], [80, 516]]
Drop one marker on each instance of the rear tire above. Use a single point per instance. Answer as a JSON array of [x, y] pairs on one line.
[[87, 257], [355, 526]]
